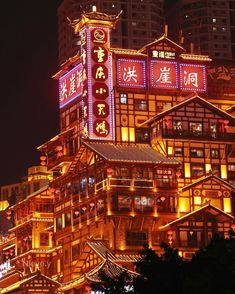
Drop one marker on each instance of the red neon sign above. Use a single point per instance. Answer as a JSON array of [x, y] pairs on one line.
[[131, 73], [193, 77], [70, 85], [163, 74]]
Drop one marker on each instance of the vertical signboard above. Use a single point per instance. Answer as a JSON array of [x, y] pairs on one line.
[[97, 93]]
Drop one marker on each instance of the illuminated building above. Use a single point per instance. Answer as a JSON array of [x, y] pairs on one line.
[[141, 22], [143, 155], [37, 177]]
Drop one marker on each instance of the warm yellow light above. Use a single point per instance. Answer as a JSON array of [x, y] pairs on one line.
[[197, 200], [223, 171], [180, 253], [63, 221], [184, 205], [132, 134], [132, 188], [208, 167], [58, 266], [122, 246], [187, 171], [124, 134], [170, 150], [3, 205], [227, 205]]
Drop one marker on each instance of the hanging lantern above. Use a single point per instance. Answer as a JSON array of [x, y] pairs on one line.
[[178, 174], [233, 227], [76, 212], [43, 158], [109, 172], [42, 163], [59, 154], [59, 148]]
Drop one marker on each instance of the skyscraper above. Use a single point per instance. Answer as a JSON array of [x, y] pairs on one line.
[[141, 22], [209, 26]]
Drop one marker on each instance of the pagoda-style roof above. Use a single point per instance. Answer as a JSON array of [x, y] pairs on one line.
[[110, 269], [121, 51], [95, 17], [36, 281], [207, 178], [59, 137], [208, 209], [129, 153], [163, 39], [188, 100]]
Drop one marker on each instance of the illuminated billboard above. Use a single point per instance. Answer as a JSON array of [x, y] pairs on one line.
[[163, 74], [193, 77], [70, 85], [131, 73]]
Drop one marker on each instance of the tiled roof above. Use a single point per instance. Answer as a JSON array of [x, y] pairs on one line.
[[128, 153], [101, 250], [109, 268], [209, 208], [207, 178]]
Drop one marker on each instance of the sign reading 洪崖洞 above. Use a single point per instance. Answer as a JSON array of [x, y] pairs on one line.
[[97, 84], [70, 85], [163, 74]]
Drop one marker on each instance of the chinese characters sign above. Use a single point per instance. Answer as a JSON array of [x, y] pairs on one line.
[[131, 73], [70, 85], [192, 77], [163, 74], [97, 97]]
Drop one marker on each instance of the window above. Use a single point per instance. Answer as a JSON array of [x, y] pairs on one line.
[[142, 136], [58, 223], [213, 130], [216, 169], [197, 170], [124, 203], [67, 219], [215, 153], [44, 239], [195, 152], [143, 203], [178, 151], [123, 98], [177, 126], [141, 105], [136, 238], [195, 128]]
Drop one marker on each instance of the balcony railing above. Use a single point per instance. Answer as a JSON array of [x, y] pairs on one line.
[[199, 135], [134, 183]]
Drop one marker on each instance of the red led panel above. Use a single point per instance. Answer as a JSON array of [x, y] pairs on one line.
[[163, 74], [131, 73], [70, 85], [193, 77]]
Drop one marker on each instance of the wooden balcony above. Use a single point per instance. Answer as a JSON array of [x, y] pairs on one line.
[[187, 134]]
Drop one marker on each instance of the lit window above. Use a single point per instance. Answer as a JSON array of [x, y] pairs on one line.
[[195, 152], [141, 105], [231, 167], [214, 20], [178, 151], [197, 170], [214, 153], [123, 98], [143, 203], [195, 128]]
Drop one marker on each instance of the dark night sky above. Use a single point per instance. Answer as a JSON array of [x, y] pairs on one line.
[[29, 96]]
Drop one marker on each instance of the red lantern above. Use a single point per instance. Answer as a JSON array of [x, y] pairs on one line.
[[59, 154], [43, 157], [109, 172], [233, 227], [178, 174], [43, 163], [59, 148]]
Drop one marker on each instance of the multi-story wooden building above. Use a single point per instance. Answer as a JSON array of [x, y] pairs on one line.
[[143, 156]]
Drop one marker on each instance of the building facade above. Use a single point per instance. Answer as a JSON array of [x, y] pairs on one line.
[[143, 156], [208, 27]]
